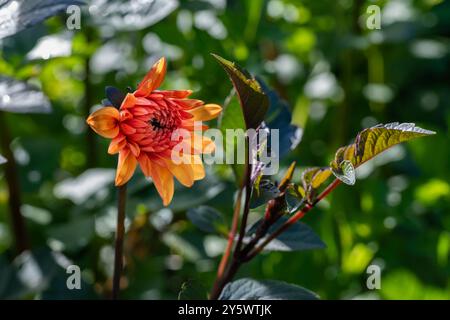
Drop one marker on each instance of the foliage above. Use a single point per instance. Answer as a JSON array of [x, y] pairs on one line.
[[319, 76]]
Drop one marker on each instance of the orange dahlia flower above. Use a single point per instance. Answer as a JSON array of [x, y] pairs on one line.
[[142, 132]]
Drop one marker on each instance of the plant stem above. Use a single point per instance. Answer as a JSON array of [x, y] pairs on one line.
[[118, 254], [12, 181], [247, 253], [297, 216], [231, 236]]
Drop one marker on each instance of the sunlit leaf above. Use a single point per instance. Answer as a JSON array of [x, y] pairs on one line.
[[57, 45], [266, 191], [20, 97], [346, 172], [131, 15], [206, 219], [371, 142], [16, 15], [249, 289], [312, 179], [254, 101], [298, 237]]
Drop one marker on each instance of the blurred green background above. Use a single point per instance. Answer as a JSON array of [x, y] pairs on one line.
[[338, 77]]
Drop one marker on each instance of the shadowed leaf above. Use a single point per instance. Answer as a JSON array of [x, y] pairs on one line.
[[265, 192], [249, 289], [131, 15], [16, 15], [254, 101], [298, 237], [206, 219], [20, 97]]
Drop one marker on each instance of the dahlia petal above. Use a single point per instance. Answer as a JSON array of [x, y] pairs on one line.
[[183, 172], [105, 122], [163, 181], [178, 94], [125, 167], [127, 129], [134, 148], [206, 112], [129, 101], [117, 144], [153, 79], [197, 167], [145, 164]]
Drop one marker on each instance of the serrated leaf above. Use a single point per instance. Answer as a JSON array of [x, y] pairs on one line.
[[312, 179], [266, 191], [206, 219], [16, 15], [250, 289], [371, 142], [298, 237], [346, 173], [253, 100], [20, 97], [131, 15]]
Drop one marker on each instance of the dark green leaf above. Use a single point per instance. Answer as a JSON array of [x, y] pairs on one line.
[[279, 117], [265, 192], [206, 219], [249, 289], [254, 101], [17, 15], [20, 97], [297, 237]]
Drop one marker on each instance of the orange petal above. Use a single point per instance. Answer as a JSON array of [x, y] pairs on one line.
[[105, 122], [183, 172], [197, 167], [146, 164], [163, 181], [201, 144], [206, 112], [117, 144], [125, 167], [153, 79]]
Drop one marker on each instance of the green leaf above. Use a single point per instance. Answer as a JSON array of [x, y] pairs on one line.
[[254, 101], [279, 117], [250, 289], [371, 142], [297, 237], [21, 14], [265, 192], [207, 219], [232, 118], [312, 179], [20, 97], [69, 233]]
